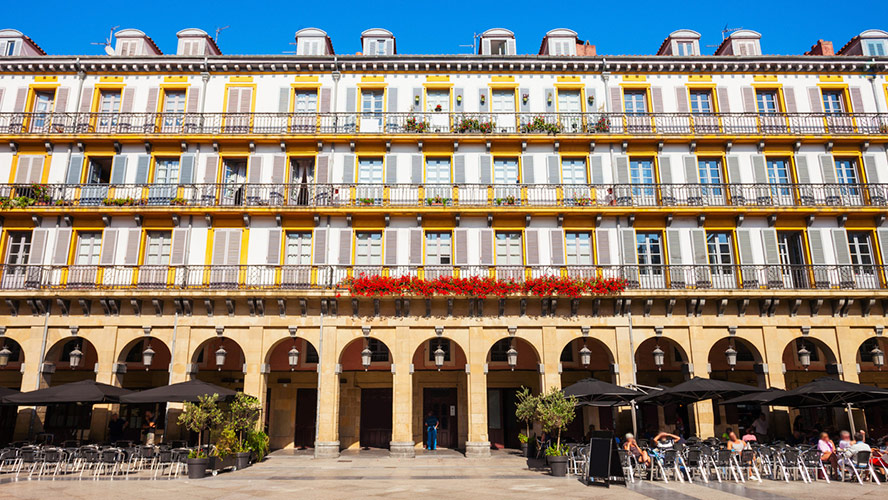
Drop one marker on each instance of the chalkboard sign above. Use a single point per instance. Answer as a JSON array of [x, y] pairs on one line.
[[603, 465]]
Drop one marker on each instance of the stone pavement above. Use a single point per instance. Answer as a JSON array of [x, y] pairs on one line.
[[442, 474]]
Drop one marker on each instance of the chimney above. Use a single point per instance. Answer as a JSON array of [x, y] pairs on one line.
[[821, 48]]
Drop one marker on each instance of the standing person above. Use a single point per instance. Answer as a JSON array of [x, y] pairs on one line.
[[115, 428], [760, 426], [431, 423], [149, 426]]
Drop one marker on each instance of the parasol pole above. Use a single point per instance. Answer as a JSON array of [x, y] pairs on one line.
[[851, 418]]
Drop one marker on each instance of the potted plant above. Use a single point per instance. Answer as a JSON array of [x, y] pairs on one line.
[[556, 411], [526, 411], [199, 417], [257, 442], [243, 416], [438, 107]]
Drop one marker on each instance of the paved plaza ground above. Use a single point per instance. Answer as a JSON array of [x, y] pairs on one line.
[[445, 474]]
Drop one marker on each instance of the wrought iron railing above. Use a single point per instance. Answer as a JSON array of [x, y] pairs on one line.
[[284, 277], [443, 195], [285, 124]]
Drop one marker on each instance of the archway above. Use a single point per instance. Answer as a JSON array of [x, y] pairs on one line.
[[871, 360], [365, 394], [292, 393], [440, 389], [734, 359], [662, 362], [219, 361], [806, 359], [147, 365], [11, 359], [581, 358], [72, 359], [512, 363]]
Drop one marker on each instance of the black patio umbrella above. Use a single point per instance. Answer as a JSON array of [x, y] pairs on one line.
[[697, 389], [594, 392], [829, 392], [85, 391], [5, 391], [761, 398], [189, 391]]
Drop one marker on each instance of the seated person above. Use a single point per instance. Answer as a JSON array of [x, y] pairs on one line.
[[632, 447], [844, 440], [735, 444], [666, 440], [850, 453], [828, 451], [749, 436]]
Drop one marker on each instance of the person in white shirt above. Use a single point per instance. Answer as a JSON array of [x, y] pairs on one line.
[[761, 428], [851, 452], [844, 440]]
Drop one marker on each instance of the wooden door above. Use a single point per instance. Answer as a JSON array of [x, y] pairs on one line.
[[442, 404], [306, 418], [376, 418]]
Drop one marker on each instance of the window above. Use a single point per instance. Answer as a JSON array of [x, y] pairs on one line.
[[371, 102], [766, 101], [710, 173], [685, 48], [642, 172], [298, 249], [508, 249], [573, 171], [569, 101], [88, 249], [166, 171], [18, 249], [109, 101], [846, 171], [173, 108], [10, 48], [502, 101], [634, 101], [368, 249], [701, 101], [578, 248], [306, 101], [157, 248], [560, 47], [650, 253], [499, 351], [42, 106], [437, 171], [380, 47], [438, 100], [444, 344], [833, 101], [505, 171], [860, 248], [498, 47], [192, 48], [128, 47], [871, 48], [778, 173], [99, 171], [437, 249], [718, 246], [379, 352], [370, 171], [746, 49], [309, 47]]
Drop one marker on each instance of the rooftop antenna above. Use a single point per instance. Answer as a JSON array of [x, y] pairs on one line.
[[475, 36], [727, 30], [290, 51], [219, 30], [108, 43]]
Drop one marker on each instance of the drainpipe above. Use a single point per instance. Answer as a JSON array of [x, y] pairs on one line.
[[320, 363], [631, 338]]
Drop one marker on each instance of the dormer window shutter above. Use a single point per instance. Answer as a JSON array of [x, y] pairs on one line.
[[510, 47], [485, 46], [389, 47], [371, 48]]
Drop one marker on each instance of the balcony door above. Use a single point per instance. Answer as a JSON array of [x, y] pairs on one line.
[[370, 190], [40, 119], [297, 260], [371, 110], [166, 181], [438, 181], [506, 190], [305, 109], [98, 177], [570, 109], [86, 260], [301, 181], [18, 252], [156, 261], [575, 181], [791, 250], [721, 260], [438, 108], [649, 249], [173, 110], [234, 175], [509, 256]]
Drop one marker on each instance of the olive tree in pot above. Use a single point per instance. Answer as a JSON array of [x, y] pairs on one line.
[[556, 411], [243, 417], [200, 417], [526, 411]]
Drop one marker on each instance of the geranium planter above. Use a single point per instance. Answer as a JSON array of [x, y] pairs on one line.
[[197, 467], [558, 466]]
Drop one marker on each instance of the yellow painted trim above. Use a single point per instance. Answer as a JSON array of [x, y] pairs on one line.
[[177, 78], [208, 254], [225, 96], [372, 79], [111, 79], [372, 85], [46, 78], [437, 78], [501, 79], [569, 85], [565, 79], [437, 85], [245, 245], [240, 79], [305, 78], [305, 85], [634, 78], [766, 86], [764, 78], [502, 85], [699, 78], [832, 78], [174, 86]]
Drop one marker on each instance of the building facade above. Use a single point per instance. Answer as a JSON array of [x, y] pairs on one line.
[[199, 215]]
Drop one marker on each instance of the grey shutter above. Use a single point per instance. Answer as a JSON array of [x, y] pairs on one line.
[[62, 247], [769, 244], [133, 242], [882, 235], [553, 176], [220, 240], [186, 168], [744, 243], [23, 170], [840, 243], [391, 169], [532, 246], [345, 244], [458, 99], [748, 99], [391, 247], [75, 166], [616, 101], [232, 253], [524, 107], [789, 98], [351, 100], [485, 169], [325, 100], [177, 252], [550, 98], [527, 169], [416, 247], [142, 164], [510, 47], [698, 243], [621, 174], [61, 104], [118, 169], [724, 99], [416, 169], [459, 169], [461, 247], [348, 169], [322, 172], [487, 247], [319, 253], [38, 246], [389, 47], [690, 167], [815, 100], [416, 99], [657, 99], [278, 168], [630, 248], [602, 243], [20, 98], [802, 174], [827, 168], [192, 106], [151, 105], [109, 247], [36, 170], [255, 170], [673, 246], [733, 162], [597, 168], [760, 169], [483, 106], [556, 241], [210, 169], [284, 100], [872, 171], [856, 100], [86, 96], [392, 100], [815, 241], [129, 94], [371, 48], [665, 164], [681, 97], [274, 246]]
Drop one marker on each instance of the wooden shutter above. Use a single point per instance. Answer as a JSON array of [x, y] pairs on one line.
[[62, 247], [151, 106], [392, 100], [324, 97], [461, 247], [38, 246], [371, 47], [127, 100], [871, 169], [769, 244], [630, 246], [616, 100], [1, 97], [748, 99], [20, 98], [61, 104], [319, 253], [389, 47], [485, 169], [255, 173], [348, 169], [351, 100], [416, 247], [657, 99], [690, 167], [801, 165], [86, 98], [23, 169], [246, 99], [815, 241], [827, 168], [789, 98], [142, 164], [458, 103], [391, 169], [760, 169], [556, 245], [698, 244], [459, 169], [733, 162], [220, 244], [278, 168], [552, 173], [345, 246], [322, 172], [416, 169], [193, 104], [724, 100], [391, 247], [673, 246], [856, 100], [487, 247], [815, 100], [75, 166], [744, 243], [881, 234], [602, 243], [621, 173], [211, 169], [840, 244], [232, 253], [597, 168], [118, 169], [186, 168], [527, 169], [274, 246], [681, 97], [284, 100], [177, 252], [133, 243], [532, 246], [665, 169]]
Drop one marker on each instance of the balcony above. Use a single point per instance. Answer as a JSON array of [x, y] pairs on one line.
[[441, 123], [442, 196], [40, 278]]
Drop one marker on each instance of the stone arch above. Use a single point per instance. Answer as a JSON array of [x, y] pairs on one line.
[[423, 354], [749, 361], [870, 373], [496, 351], [138, 375], [204, 366], [277, 355], [823, 361], [350, 354], [59, 355], [675, 361], [11, 374]]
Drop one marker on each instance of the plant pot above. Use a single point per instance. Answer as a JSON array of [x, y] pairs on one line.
[[242, 460], [525, 450], [558, 465], [197, 467]]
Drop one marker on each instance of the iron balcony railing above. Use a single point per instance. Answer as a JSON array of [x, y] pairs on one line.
[[312, 195], [285, 277], [309, 124]]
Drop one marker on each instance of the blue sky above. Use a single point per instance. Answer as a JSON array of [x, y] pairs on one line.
[[436, 27]]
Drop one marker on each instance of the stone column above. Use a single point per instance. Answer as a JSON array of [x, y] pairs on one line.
[[478, 444], [780, 421], [327, 442], [106, 349], [180, 352], [699, 352], [32, 380], [402, 445], [551, 378]]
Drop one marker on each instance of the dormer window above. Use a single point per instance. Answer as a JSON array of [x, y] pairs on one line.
[[192, 48], [380, 47], [875, 48], [685, 48], [9, 49], [311, 48], [746, 48], [128, 47], [561, 47], [497, 42], [498, 47]]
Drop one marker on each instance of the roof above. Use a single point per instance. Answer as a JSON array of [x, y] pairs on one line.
[[559, 32], [316, 32], [682, 33], [498, 32], [197, 33], [134, 33], [377, 32], [11, 33], [748, 34], [864, 34]]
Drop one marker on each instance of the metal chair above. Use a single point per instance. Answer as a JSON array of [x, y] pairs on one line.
[[629, 464], [163, 459], [180, 455], [28, 456], [861, 466], [723, 460], [747, 463], [695, 463], [790, 462], [111, 461], [9, 456], [53, 459], [811, 462]]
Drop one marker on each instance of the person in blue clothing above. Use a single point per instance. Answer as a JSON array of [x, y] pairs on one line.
[[431, 423]]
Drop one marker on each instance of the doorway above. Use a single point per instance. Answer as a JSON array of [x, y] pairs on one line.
[[502, 424], [376, 418], [442, 403], [306, 418], [301, 180]]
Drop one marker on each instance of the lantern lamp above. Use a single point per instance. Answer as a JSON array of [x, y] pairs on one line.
[[74, 358], [585, 356], [439, 357], [366, 354], [512, 357], [293, 357], [147, 356], [731, 356], [221, 354], [878, 357], [5, 354], [659, 357], [804, 357]]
